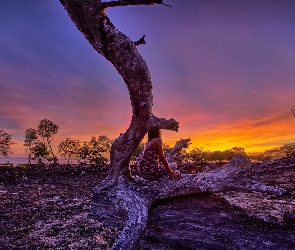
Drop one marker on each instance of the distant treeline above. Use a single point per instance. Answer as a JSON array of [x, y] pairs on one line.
[[199, 154], [97, 151]]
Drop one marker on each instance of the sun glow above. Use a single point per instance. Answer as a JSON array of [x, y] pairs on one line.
[[252, 135]]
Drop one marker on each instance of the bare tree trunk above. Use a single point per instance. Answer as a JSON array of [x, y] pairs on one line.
[[132, 196], [91, 19]]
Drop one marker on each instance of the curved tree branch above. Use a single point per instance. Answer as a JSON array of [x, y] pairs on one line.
[[162, 123], [90, 18], [136, 221]]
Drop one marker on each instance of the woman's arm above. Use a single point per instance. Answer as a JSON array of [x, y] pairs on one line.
[[163, 159]]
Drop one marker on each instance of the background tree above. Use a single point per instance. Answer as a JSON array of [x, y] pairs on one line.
[[289, 149], [69, 148], [5, 143], [196, 154], [30, 139], [217, 155], [47, 129], [39, 151], [96, 151], [228, 154], [259, 156]]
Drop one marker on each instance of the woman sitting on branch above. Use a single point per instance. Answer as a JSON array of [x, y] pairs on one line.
[[153, 164]]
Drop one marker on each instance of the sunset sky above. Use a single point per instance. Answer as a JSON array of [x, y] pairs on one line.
[[224, 69]]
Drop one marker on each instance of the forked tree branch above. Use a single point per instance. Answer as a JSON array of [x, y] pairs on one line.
[[140, 41], [162, 123]]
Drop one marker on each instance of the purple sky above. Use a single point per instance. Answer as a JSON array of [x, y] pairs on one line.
[[224, 69]]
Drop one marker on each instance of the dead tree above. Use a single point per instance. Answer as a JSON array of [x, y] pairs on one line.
[[132, 197]]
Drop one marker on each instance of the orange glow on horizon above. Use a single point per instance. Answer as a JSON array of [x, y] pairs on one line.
[[253, 138], [254, 135]]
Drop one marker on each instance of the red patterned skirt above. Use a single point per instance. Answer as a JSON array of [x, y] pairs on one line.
[[150, 167]]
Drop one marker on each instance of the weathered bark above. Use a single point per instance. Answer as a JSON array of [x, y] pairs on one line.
[[137, 196], [133, 197], [91, 19], [183, 143]]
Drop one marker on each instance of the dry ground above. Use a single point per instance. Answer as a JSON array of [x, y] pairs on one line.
[[48, 208]]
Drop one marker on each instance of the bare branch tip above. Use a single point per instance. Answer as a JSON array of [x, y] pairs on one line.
[[140, 41], [167, 5]]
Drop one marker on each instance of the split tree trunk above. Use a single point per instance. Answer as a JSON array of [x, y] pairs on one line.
[[133, 197]]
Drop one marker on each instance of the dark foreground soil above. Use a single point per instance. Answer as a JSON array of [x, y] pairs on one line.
[[48, 208]]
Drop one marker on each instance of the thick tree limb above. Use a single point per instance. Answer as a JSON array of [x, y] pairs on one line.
[[136, 221], [231, 176], [143, 193], [162, 123]]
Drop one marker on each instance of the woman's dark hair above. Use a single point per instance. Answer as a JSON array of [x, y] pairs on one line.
[[154, 133]]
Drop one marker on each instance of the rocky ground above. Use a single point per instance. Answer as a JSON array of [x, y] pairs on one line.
[[48, 208]]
